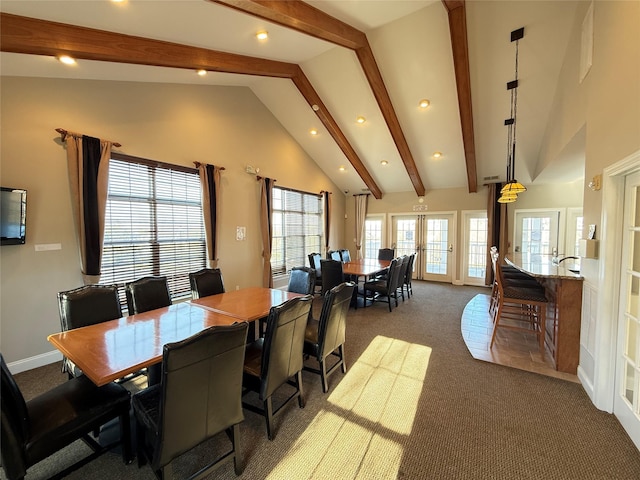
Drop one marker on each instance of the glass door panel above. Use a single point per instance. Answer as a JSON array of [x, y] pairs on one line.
[[627, 401], [438, 247]]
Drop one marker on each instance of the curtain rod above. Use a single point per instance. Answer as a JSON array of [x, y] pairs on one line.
[[197, 164], [63, 133], [258, 178]]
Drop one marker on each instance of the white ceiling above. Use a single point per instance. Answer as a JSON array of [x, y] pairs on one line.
[[412, 46]]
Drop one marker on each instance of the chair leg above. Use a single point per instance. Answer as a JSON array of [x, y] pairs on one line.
[[323, 376], [344, 363], [235, 441], [140, 452], [301, 401], [125, 437], [268, 415], [542, 326]]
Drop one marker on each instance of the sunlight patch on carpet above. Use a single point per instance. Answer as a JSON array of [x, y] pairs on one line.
[[380, 390]]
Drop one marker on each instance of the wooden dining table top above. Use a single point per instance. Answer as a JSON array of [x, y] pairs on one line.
[[249, 304], [110, 350], [365, 267]]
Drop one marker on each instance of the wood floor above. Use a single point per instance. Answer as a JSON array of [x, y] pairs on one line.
[[511, 348]]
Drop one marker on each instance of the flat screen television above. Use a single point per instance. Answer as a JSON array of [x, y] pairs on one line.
[[13, 216]]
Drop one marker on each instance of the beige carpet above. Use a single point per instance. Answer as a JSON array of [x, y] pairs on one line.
[[414, 404]]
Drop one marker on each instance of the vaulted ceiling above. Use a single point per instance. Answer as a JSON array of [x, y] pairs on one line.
[[327, 62]]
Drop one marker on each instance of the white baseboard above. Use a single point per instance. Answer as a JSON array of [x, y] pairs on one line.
[[34, 362], [458, 282], [586, 384]]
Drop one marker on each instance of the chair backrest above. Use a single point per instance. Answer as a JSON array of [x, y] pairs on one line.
[[409, 272], [332, 322], [201, 389], [88, 305], [283, 343], [15, 425], [392, 275], [386, 254], [205, 282], [302, 280], [397, 274], [346, 255], [335, 255], [147, 293], [403, 270], [331, 274], [314, 262]]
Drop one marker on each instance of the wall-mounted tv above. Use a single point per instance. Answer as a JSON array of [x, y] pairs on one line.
[[13, 216]]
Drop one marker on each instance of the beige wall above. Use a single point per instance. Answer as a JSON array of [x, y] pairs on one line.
[[180, 124]]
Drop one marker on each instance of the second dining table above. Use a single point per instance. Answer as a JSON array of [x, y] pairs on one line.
[[363, 269]]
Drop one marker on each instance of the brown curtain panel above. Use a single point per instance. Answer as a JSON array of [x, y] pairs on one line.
[[496, 227], [361, 216], [327, 221], [88, 165], [266, 210], [210, 181]]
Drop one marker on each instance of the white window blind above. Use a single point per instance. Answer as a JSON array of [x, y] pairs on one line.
[[297, 228], [153, 223]]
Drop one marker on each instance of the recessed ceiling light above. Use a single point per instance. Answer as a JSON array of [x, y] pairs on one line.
[[262, 35], [437, 154], [424, 103], [313, 131], [67, 60], [384, 162], [361, 119], [341, 168], [202, 72]]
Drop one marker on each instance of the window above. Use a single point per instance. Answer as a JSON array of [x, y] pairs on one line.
[[372, 237], [153, 223], [297, 228]]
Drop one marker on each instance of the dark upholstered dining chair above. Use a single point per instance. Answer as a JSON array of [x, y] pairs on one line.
[[200, 395], [332, 274], [34, 430], [276, 359], [386, 254], [302, 280], [314, 262], [83, 306], [409, 275], [384, 288], [345, 254], [147, 293], [325, 337], [403, 265], [205, 282], [335, 255], [144, 294]]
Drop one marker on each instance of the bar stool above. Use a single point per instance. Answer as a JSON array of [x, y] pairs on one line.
[[518, 307]]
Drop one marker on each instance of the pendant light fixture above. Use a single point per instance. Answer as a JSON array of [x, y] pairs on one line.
[[510, 191]]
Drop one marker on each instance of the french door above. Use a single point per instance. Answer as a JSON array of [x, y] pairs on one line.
[[537, 232], [432, 237], [626, 405]]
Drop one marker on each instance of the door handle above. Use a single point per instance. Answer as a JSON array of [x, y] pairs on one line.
[[450, 247]]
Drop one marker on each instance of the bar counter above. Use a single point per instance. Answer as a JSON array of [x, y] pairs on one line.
[[563, 288]]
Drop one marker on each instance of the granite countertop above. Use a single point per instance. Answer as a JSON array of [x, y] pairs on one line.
[[540, 265]]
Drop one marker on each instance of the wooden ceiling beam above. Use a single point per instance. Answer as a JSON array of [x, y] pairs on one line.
[[458, 27], [41, 37], [301, 17], [311, 96], [306, 19]]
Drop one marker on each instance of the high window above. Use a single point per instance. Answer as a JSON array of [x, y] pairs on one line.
[[153, 223], [297, 228]]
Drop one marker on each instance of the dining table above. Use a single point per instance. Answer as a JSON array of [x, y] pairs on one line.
[[363, 269], [113, 349], [247, 304]]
